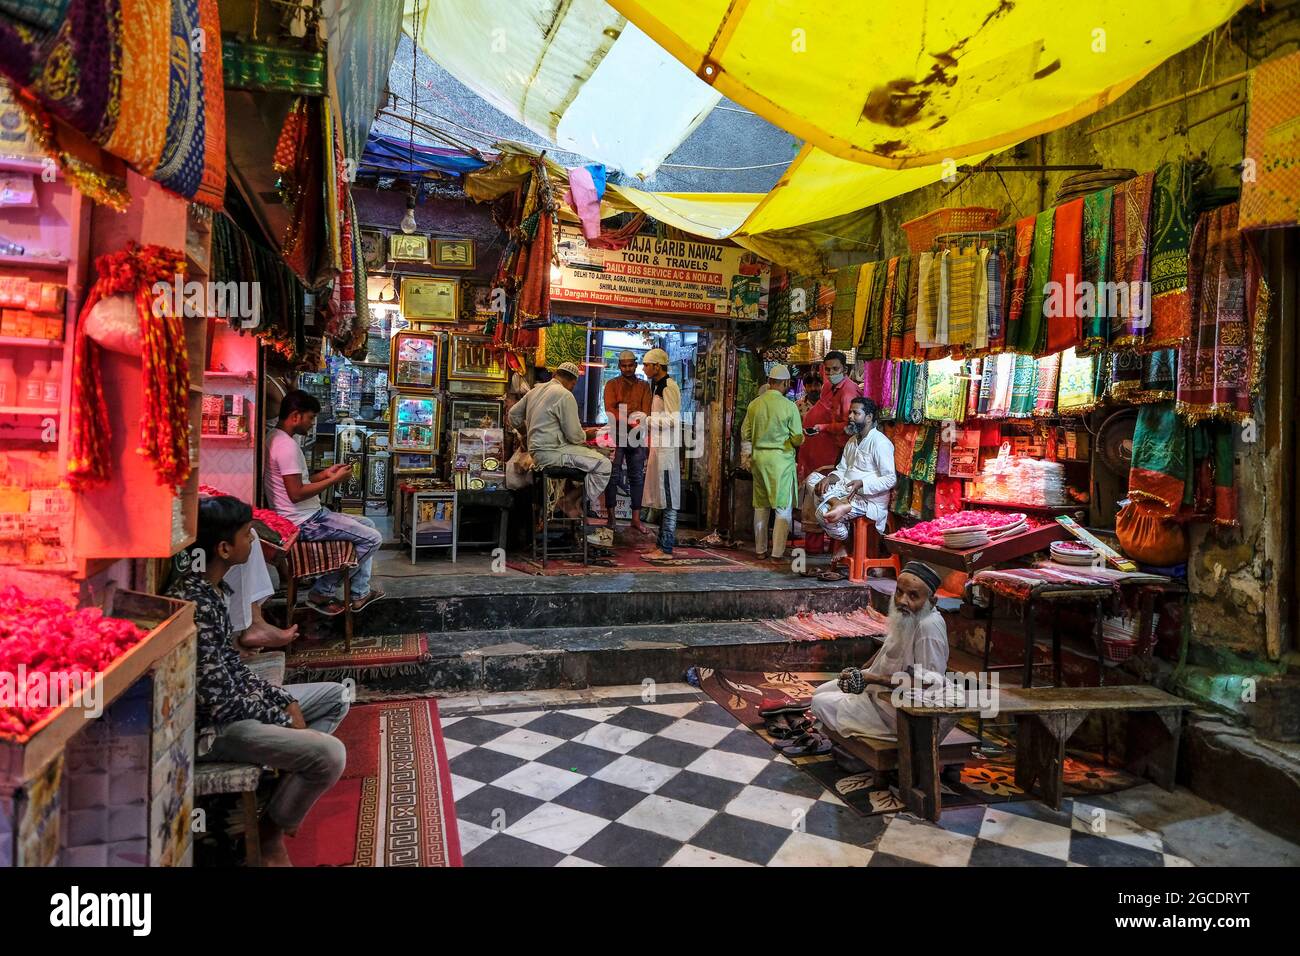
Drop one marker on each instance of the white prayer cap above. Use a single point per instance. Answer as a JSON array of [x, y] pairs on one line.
[[779, 372], [626, 356], [571, 369], [656, 357]]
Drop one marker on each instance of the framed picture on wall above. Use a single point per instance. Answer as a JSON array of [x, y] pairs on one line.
[[372, 250], [430, 300], [404, 248], [414, 361], [453, 253], [473, 358], [470, 414], [408, 464], [415, 424]]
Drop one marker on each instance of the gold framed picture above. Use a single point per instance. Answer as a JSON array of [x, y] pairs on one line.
[[473, 358], [430, 300], [453, 253], [404, 248]]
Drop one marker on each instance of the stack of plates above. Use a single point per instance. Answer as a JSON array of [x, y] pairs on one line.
[[1091, 181], [1014, 527], [965, 536], [1071, 552]]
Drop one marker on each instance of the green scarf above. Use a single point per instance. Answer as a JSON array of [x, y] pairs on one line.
[[1033, 330]]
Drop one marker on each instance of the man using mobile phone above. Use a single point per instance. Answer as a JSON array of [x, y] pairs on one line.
[[299, 501]]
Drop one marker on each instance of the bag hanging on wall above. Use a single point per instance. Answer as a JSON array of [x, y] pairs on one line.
[[1148, 536]]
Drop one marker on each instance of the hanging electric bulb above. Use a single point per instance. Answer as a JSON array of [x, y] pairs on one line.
[[408, 221]]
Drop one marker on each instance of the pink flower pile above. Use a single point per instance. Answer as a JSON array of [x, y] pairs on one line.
[[930, 533], [50, 636]]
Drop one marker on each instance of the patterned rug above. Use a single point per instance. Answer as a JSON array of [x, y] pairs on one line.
[[379, 655], [625, 559], [986, 780], [394, 804]]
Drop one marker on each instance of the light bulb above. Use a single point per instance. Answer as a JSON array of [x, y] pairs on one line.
[[408, 221]]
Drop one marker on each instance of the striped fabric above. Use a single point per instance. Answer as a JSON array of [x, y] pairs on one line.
[[309, 558]]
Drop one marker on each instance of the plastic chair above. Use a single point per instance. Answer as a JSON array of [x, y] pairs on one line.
[[865, 538]]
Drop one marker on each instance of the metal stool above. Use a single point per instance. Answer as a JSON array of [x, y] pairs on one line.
[[550, 489]]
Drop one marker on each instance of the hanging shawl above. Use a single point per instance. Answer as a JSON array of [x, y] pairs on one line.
[[1003, 385], [1272, 196], [1159, 468], [887, 306], [1159, 375], [927, 300], [1024, 387], [1096, 265], [913, 303], [904, 441], [925, 454], [945, 393], [821, 319], [898, 308], [1033, 336], [562, 342], [888, 390], [871, 340], [988, 381], [1129, 222], [1171, 229], [803, 302], [842, 318], [164, 369], [1046, 376], [298, 159], [1019, 281], [980, 337], [1076, 392], [1064, 329], [537, 229], [995, 278], [943, 266], [1125, 375], [1218, 370], [963, 268], [862, 303]]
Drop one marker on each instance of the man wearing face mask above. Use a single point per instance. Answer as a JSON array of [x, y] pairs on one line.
[[860, 485], [825, 421], [769, 436]]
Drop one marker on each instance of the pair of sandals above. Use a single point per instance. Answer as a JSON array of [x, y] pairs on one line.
[[334, 607], [795, 736]]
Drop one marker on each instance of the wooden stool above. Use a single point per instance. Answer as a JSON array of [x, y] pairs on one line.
[[550, 489], [311, 559], [216, 776], [866, 539]]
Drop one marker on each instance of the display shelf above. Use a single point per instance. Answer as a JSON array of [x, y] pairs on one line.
[[35, 262], [19, 341], [1028, 509], [169, 622], [217, 436]]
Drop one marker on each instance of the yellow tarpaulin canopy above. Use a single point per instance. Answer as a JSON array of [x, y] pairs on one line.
[[899, 85]]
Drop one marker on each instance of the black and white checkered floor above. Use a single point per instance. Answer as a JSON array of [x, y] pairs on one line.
[[678, 782]]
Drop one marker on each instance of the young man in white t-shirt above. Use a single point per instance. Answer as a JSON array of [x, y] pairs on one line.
[[298, 500]]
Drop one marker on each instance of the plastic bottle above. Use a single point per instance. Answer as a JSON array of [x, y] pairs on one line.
[[53, 385], [33, 391], [8, 382]]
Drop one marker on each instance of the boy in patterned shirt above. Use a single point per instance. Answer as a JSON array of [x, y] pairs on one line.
[[244, 718]]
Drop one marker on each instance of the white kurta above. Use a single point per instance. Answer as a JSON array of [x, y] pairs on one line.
[[870, 460], [870, 714], [665, 448]]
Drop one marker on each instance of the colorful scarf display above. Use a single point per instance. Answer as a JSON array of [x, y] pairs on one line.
[[1183, 470], [1003, 384], [1064, 329], [165, 370], [1019, 280], [1130, 326], [1271, 197], [1096, 264], [988, 381], [1076, 392], [945, 391], [1024, 387], [995, 280], [1033, 335], [898, 308], [925, 454], [963, 298], [843, 316], [1045, 379], [1171, 232], [1159, 376], [1218, 368], [927, 300]]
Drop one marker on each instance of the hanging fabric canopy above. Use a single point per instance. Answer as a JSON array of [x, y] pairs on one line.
[[903, 85], [573, 71]]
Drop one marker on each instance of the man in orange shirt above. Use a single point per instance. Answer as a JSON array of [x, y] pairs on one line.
[[826, 421], [627, 403]]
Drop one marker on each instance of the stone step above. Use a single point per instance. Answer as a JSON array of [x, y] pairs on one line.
[[518, 659]]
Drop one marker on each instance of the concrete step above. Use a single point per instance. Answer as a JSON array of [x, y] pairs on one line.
[[519, 659], [490, 602]]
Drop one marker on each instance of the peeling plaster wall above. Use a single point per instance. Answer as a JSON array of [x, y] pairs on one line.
[[1231, 571]]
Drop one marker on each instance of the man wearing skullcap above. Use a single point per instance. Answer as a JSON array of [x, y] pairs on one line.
[[769, 436], [548, 414], [663, 464], [858, 703], [627, 404]]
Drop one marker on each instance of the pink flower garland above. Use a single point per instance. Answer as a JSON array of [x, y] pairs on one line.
[[51, 638], [931, 532]]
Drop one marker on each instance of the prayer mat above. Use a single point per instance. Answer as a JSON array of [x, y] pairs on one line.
[[1171, 233], [324, 658], [984, 780], [1271, 197], [393, 806]]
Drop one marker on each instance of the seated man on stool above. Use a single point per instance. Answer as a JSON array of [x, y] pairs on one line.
[[860, 484], [548, 413], [858, 703]]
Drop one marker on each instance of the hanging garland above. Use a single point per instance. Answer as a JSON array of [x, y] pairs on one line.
[[164, 424]]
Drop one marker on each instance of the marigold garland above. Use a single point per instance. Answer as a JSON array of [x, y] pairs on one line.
[[164, 423]]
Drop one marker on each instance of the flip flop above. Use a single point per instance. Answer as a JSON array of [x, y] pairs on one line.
[[330, 608], [832, 576], [811, 744], [374, 595]]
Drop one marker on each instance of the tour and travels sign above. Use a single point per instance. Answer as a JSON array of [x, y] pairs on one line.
[[680, 276]]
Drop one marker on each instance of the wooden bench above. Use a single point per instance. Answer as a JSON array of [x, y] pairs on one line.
[[882, 755], [1045, 719]]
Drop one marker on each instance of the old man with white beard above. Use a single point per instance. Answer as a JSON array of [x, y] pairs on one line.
[[858, 703]]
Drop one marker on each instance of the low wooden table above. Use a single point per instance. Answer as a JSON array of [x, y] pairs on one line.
[[1045, 719], [971, 560]]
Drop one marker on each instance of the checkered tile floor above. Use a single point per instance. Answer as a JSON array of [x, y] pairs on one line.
[[681, 783]]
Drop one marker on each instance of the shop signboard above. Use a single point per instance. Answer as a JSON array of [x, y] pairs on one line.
[[676, 276]]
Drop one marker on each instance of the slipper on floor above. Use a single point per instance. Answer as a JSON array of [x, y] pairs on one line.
[[786, 727], [331, 608], [833, 576], [771, 706], [368, 600], [811, 744]]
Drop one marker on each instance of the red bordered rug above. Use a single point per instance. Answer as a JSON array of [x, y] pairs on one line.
[[379, 655], [394, 804]]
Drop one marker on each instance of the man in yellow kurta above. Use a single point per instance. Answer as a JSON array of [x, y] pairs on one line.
[[769, 436]]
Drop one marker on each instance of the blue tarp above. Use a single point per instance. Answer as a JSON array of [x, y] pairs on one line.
[[391, 154]]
